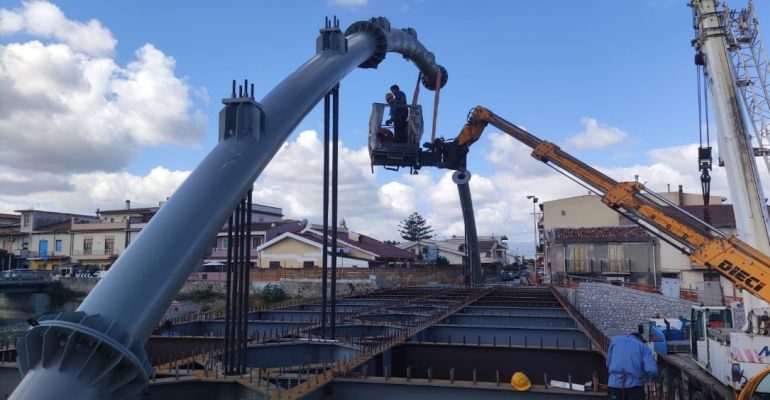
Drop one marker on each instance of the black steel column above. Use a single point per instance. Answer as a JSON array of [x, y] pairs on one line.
[[335, 147], [228, 284], [325, 250], [239, 287], [246, 282], [237, 290]]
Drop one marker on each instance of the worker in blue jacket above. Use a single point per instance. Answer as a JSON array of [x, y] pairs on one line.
[[629, 363]]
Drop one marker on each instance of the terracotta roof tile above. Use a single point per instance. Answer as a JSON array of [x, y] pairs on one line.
[[722, 215], [621, 233], [382, 250]]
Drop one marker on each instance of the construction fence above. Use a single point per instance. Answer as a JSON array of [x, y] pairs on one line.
[[572, 281], [404, 276]]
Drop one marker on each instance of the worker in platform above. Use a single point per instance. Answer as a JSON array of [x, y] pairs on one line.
[[399, 112], [629, 363]]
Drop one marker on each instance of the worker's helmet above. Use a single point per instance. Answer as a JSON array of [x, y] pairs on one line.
[[520, 382]]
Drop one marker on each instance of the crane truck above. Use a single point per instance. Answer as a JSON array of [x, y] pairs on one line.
[[720, 357], [718, 346]]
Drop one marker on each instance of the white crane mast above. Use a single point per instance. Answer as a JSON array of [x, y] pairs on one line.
[[735, 147], [750, 61]]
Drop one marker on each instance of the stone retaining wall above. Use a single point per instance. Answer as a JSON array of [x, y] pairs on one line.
[[617, 310], [292, 287]]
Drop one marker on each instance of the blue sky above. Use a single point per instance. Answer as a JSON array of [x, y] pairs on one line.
[[611, 81]]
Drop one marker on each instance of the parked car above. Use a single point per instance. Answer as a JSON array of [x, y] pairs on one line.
[[100, 274], [20, 275]]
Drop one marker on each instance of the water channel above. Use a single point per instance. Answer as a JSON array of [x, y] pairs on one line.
[[17, 308]]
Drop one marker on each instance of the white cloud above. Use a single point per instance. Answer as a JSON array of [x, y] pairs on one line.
[[597, 136], [10, 22], [293, 181], [67, 107], [88, 191], [513, 157], [43, 19]]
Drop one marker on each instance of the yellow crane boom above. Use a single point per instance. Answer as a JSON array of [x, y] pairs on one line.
[[745, 266]]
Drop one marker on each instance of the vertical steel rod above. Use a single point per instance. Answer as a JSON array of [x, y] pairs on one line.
[[325, 261], [228, 281], [335, 148]]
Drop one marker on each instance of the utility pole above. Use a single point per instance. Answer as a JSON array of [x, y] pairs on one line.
[[534, 220]]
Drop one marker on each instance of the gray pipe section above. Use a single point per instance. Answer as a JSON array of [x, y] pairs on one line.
[[405, 42], [124, 308], [402, 41], [461, 178]]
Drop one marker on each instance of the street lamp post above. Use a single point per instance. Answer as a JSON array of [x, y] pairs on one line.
[[534, 219]]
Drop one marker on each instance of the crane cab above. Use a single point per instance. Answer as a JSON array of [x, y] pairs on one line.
[[384, 149], [710, 333]]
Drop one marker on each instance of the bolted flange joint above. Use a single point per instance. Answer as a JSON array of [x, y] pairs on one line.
[[91, 349], [376, 27]]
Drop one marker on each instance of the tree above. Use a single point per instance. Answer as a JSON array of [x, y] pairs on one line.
[[415, 228]]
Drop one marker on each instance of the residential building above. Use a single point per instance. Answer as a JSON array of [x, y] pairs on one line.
[[492, 249], [588, 211], [9, 231], [266, 222], [43, 232], [303, 248], [622, 252], [54, 240], [53, 244], [454, 252], [10, 235]]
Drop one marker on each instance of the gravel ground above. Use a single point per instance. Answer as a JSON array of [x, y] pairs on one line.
[[13, 332], [191, 307]]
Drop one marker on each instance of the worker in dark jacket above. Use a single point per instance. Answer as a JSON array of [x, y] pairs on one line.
[[399, 113], [629, 363]]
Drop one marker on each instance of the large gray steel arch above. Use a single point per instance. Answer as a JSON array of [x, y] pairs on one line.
[[97, 351]]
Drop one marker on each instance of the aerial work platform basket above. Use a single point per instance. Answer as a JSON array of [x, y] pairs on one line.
[[384, 149]]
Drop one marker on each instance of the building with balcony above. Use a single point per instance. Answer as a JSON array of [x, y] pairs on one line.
[[43, 240], [623, 252], [266, 223], [52, 246], [665, 260], [49, 240], [9, 234]]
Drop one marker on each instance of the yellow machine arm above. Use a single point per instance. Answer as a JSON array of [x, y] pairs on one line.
[[705, 245]]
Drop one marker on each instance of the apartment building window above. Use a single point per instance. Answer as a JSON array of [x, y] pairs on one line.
[[578, 258], [27, 219], [57, 245], [256, 241], [88, 246], [109, 245]]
